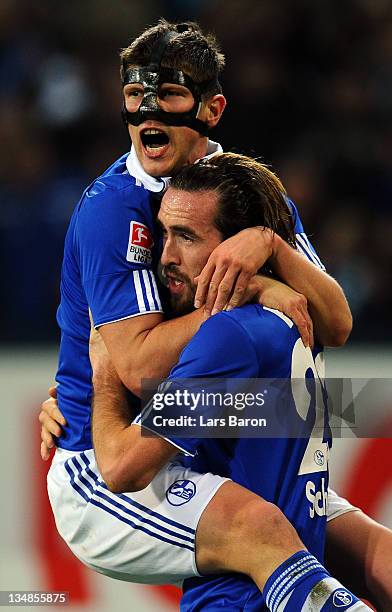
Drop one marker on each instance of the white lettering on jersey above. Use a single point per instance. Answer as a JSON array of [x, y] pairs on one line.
[[318, 499]]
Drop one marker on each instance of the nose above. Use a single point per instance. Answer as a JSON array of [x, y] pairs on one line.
[[170, 254], [149, 103]]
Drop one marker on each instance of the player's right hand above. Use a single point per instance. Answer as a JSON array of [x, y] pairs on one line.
[[51, 421], [230, 267]]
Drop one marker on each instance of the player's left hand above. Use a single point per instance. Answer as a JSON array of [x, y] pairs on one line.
[[225, 277], [52, 422]]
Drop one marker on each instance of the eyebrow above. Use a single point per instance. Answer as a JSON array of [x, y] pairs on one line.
[[183, 229], [178, 229]]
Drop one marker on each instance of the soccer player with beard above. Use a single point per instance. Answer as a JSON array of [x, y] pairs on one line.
[[206, 203], [109, 262]]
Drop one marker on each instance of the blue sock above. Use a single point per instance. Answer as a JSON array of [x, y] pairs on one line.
[[301, 582]]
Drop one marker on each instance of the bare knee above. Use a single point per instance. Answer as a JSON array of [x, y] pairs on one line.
[[240, 531], [263, 523]]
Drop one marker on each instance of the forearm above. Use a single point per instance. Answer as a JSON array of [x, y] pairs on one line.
[[164, 343], [111, 418], [327, 304], [150, 351], [127, 460]]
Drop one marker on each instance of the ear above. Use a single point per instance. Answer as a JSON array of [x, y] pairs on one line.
[[214, 108]]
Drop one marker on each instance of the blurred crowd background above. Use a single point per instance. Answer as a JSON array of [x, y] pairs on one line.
[[309, 86]]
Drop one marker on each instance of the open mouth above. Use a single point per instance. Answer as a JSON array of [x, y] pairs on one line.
[[154, 141], [175, 285]]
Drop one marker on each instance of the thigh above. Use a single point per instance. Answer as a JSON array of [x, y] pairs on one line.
[[147, 536]]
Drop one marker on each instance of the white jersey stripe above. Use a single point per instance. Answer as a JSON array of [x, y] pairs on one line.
[[299, 247], [155, 290], [308, 250], [301, 250], [279, 314], [139, 292], [305, 249], [305, 252], [148, 290], [311, 249]]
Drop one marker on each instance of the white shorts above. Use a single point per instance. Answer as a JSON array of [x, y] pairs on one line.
[[147, 536], [338, 505]]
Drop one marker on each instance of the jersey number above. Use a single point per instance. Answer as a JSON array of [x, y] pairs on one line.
[[315, 458]]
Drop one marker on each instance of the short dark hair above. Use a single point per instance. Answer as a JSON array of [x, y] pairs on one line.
[[249, 194], [195, 53]]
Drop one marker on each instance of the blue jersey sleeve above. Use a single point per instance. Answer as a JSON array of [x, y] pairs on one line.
[[114, 242], [304, 245], [221, 349]]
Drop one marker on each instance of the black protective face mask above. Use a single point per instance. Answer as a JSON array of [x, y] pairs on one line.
[[151, 78]]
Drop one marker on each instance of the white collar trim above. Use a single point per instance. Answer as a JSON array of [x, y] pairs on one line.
[[151, 183]]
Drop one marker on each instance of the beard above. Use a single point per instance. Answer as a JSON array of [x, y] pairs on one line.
[[181, 303]]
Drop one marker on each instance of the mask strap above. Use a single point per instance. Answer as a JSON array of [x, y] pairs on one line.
[[158, 50]]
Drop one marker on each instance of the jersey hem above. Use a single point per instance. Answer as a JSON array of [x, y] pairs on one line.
[[136, 314], [342, 511], [71, 452], [183, 450]]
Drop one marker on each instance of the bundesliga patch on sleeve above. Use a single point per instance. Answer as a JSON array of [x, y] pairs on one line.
[[140, 244]]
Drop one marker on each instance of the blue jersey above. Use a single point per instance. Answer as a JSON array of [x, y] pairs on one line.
[[110, 251], [255, 342]]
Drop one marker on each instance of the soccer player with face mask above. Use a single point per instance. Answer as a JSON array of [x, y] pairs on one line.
[[171, 99]]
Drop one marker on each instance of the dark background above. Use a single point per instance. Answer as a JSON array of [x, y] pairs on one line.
[[309, 86]]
